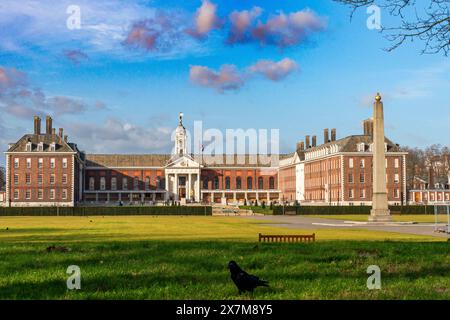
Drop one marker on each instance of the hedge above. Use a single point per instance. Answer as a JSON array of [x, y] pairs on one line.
[[363, 210], [106, 211]]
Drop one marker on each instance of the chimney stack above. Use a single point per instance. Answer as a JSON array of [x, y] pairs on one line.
[[368, 127], [300, 146], [66, 138], [48, 125], [326, 137], [54, 131], [60, 133], [307, 145], [333, 134], [314, 141], [37, 125]]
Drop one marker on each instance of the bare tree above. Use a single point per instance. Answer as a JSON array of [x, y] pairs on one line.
[[425, 20]]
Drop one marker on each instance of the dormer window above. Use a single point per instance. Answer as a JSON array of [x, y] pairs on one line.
[[371, 147], [361, 147], [385, 147], [53, 146], [28, 147], [40, 147]]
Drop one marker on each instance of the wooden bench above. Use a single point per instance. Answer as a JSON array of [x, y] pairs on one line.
[[287, 238]]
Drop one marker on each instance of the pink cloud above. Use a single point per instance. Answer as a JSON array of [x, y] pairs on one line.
[[274, 71], [227, 78], [241, 22], [281, 30], [11, 78], [75, 56], [206, 19]]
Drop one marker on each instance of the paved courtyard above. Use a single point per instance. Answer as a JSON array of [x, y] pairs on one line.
[[305, 222]]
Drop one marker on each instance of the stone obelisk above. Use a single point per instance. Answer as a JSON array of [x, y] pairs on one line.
[[380, 210]]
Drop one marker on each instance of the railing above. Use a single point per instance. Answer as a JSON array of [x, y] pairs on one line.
[[287, 238]]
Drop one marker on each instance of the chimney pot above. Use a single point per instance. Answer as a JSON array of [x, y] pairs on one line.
[[333, 134], [60, 133], [37, 125], [326, 137], [314, 141], [54, 131], [48, 125], [307, 145]]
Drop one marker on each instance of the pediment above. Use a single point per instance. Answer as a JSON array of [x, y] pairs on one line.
[[183, 162]]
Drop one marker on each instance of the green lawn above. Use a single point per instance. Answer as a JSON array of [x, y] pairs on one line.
[[145, 257]]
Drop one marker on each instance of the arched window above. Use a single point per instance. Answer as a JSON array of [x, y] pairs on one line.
[[205, 183], [102, 183], [260, 183], [91, 183], [158, 183], [238, 183], [216, 183], [271, 183], [227, 183], [249, 183]]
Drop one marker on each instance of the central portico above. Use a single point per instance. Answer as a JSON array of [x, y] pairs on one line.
[[183, 179]]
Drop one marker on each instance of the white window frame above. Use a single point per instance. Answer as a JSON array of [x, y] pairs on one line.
[[40, 146], [64, 194], [40, 163], [40, 194], [91, 183], [28, 163], [28, 147], [114, 183], [64, 163], [102, 183], [52, 194], [350, 162], [16, 163], [52, 163], [16, 194], [64, 179], [28, 195], [52, 179]]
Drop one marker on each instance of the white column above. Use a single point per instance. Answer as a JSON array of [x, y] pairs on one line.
[[198, 188], [188, 189], [167, 187], [175, 186]]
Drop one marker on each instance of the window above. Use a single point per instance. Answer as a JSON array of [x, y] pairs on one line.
[[28, 147], [52, 163], [136, 183], [361, 147], [27, 178], [64, 178], [40, 178], [362, 193], [396, 193], [64, 163], [102, 183], [16, 194], [350, 177], [362, 177], [147, 183], [227, 183], [271, 183], [16, 163], [249, 183], [350, 193], [40, 194], [64, 194], [52, 194], [40, 147], [216, 183], [396, 163], [28, 194], [114, 183], [40, 163], [361, 163], [260, 183], [52, 146], [28, 163], [205, 183], [350, 163], [124, 183], [396, 178], [238, 183], [91, 183], [52, 179], [16, 179]]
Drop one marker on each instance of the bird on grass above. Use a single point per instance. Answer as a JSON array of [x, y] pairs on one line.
[[243, 280]]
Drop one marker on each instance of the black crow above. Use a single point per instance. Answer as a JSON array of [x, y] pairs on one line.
[[243, 280]]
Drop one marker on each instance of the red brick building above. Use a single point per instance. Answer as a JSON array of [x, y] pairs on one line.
[[45, 169]]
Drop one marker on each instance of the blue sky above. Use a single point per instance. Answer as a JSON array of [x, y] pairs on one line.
[[118, 83]]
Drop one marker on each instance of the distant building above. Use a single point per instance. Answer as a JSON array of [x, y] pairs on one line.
[[45, 169]]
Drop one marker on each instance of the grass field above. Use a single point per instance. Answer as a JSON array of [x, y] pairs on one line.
[[145, 257]]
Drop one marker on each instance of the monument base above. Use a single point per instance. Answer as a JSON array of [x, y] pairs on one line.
[[380, 215]]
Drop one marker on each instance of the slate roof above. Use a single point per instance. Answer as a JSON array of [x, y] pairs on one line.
[[46, 139]]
